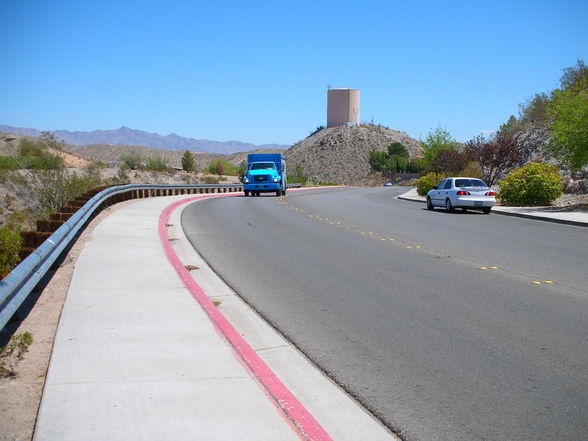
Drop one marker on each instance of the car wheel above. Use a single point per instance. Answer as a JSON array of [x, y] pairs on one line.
[[246, 193], [464, 209], [448, 205], [486, 210], [429, 203]]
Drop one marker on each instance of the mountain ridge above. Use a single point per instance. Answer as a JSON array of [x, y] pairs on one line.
[[128, 136]]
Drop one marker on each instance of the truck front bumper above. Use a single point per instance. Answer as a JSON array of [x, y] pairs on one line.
[[262, 187]]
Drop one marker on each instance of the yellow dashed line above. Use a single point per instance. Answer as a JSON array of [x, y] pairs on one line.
[[371, 233]]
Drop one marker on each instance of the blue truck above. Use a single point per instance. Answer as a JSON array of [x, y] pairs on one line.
[[266, 173]]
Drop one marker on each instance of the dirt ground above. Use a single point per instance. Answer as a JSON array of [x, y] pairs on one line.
[[20, 396]]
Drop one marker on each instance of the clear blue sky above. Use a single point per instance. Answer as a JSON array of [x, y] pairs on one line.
[[256, 71]]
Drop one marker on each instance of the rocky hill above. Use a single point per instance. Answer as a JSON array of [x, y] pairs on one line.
[[340, 154]]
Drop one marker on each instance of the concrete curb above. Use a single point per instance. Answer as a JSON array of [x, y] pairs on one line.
[[301, 419]]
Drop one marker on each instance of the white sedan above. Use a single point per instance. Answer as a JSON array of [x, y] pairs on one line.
[[463, 193]]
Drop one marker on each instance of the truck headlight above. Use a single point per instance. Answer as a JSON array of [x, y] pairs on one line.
[[246, 180], [275, 179]]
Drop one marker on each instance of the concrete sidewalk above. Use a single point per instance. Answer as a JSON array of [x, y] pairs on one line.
[[549, 214], [136, 357]]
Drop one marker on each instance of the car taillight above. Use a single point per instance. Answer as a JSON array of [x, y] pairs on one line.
[[463, 193], [490, 193]]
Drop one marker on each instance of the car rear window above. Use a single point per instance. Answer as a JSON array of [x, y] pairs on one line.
[[469, 183]]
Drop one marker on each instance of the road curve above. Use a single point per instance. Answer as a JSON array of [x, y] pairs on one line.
[[442, 324]]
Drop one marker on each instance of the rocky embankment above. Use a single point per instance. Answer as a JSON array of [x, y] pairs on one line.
[[340, 154], [534, 141]]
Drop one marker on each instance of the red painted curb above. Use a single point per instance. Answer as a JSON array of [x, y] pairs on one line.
[[304, 423]]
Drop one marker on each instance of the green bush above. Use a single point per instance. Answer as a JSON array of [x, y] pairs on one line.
[[298, 177], [157, 164], [427, 182], [222, 167], [10, 243], [8, 163], [531, 185], [35, 155], [131, 161]]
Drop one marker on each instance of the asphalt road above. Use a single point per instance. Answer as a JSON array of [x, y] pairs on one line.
[[435, 346]]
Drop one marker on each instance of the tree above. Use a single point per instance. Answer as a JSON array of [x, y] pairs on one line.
[[569, 112], [509, 128], [496, 157], [242, 171], [378, 160], [450, 162], [437, 140], [574, 75], [188, 163], [534, 111], [397, 149]]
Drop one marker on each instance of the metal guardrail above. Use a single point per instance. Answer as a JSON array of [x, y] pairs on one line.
[[21, 281]]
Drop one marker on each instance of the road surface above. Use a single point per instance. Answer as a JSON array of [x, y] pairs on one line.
[[446, 326]]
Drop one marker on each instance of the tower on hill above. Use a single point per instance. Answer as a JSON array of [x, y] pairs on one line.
[[342, 107]]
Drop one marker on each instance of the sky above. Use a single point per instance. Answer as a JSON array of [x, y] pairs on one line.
[[258, 71]]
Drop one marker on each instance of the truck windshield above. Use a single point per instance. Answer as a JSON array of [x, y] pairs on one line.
[[263, 166]]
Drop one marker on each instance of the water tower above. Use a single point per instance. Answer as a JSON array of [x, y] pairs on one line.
[[342, 107]]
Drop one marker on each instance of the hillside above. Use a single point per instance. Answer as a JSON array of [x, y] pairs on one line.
[[340, 154], [128, 136]]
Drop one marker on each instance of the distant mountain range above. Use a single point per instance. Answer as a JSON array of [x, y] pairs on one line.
[[128, 136]]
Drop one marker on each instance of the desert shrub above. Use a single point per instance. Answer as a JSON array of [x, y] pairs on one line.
[[222, 167], [34, 154], [427, 182], [533, 184], [210, 180], [8, 163], [13, 353], [131, 161], [157, 164], [298, 177], [55, 188], [10, 243]]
